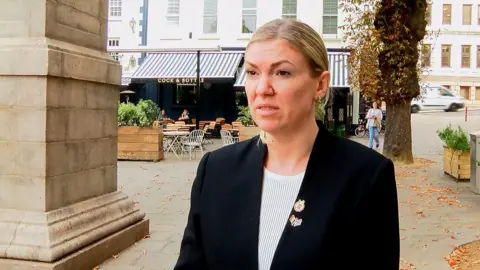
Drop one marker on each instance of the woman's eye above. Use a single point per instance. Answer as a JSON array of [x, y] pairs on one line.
[[283, 73], [251, 72]]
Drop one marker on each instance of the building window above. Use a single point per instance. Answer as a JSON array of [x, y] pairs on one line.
[[185, 95], [210, 16], [465, 92], [330, 16], [478, 56], [173, 13], [478, 15], [477, 93], [115, 7], [114, 42], [446, 49], [466, 56], [447, 14], [289, 9], [467, 14], [115, 56], [426, 52], [428, 14], [249, 16]]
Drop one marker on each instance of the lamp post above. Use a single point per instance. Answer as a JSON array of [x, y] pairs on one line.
[[197, 93]]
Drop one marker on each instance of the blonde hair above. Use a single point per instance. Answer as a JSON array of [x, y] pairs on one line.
[[303, 38]]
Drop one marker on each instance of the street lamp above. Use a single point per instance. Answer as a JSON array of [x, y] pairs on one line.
[[133, 23], [197, 93]]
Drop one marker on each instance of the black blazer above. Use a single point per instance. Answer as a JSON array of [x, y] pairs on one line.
[[350, 220]]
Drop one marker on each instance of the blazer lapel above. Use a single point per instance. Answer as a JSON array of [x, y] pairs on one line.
[[311, 213], [249, 225]]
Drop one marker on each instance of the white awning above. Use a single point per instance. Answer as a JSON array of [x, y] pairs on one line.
[[184, 65]]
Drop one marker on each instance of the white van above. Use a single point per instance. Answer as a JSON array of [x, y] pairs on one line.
[[436, 97]]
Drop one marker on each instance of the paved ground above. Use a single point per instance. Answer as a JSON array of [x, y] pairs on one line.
[[437, 213]]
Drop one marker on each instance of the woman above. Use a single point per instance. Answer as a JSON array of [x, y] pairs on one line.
[[295, 197], [374, 124], [184, 116]]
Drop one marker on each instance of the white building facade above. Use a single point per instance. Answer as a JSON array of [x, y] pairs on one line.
[[176, 24], [127, 30], [230, 23], [452, 56]]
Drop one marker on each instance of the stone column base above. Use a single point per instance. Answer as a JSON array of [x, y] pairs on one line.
[[47, 237], [90, 256]]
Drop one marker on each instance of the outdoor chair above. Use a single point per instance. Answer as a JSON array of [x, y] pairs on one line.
[[192, 141], [227, 138]]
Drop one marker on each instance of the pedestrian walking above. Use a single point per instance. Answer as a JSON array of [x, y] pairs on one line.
[[374, 124]]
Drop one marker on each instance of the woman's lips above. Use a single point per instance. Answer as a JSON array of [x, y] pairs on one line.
[[266, 110]]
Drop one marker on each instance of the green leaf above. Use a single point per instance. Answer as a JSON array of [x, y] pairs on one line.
[[142, 115], [454, 139]]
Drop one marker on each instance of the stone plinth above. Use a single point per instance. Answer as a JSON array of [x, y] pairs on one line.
[[58, 142]]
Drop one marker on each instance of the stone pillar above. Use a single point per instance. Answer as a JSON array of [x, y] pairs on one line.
[[475, 162], [59, 204]]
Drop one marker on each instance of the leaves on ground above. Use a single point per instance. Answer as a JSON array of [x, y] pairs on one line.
[[422, 198], [418, 163], [466, 257]]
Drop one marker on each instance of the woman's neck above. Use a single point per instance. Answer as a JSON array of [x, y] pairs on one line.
[[289, 152]]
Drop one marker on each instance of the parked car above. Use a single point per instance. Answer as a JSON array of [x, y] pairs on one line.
[[436, 97]]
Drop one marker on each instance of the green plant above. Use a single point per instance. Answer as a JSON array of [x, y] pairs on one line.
[[147, 113], [454, 139], [245, 116], [127, 114], [142, 115]]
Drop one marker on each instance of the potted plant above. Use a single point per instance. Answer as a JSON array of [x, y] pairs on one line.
[[456, 152], [249, 129], [138, 139]]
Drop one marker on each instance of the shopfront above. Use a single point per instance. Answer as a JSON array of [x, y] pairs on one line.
[[170, 79]]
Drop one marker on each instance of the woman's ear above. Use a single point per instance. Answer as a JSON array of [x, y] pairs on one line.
[[323, 84]]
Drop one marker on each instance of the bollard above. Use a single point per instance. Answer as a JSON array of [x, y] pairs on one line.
[[466, 113]]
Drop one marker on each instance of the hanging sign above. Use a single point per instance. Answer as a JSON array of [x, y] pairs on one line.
[[179, 80]]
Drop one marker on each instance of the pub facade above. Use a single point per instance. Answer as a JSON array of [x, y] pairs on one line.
[[170, 79]]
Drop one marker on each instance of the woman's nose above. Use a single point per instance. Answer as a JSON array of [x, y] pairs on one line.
[[264, 86]]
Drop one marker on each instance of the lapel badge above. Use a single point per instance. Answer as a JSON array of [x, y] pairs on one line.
[[299, 206], [294, 221]]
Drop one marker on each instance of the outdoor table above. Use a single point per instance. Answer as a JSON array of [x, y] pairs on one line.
[[174, 136]]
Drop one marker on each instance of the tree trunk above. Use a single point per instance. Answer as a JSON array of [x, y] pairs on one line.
[[402, 26], [398, 134]]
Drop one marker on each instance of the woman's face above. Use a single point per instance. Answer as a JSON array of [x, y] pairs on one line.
[[280, 87], [374, 105]]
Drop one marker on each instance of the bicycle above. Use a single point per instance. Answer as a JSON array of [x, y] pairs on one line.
[[361, 130]]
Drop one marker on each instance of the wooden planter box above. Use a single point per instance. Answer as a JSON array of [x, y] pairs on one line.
[[456, 163], [246, 133], [140, 143]]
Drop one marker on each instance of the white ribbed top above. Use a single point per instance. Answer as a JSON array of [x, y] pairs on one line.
[[278, 197]]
